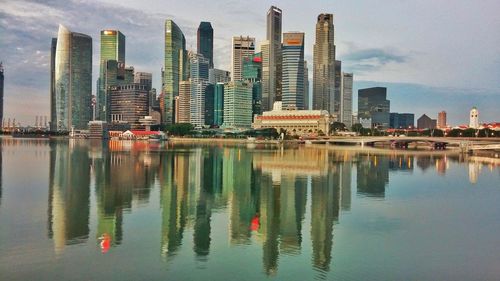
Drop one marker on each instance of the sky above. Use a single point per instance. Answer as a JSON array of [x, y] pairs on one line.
[[432, 55]]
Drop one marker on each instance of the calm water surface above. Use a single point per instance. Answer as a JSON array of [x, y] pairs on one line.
[[82, 210]]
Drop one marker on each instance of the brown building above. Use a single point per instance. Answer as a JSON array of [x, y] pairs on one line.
[[129, 103], [441, 121], [425, 122]]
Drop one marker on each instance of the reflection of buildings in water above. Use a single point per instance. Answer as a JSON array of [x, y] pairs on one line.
[[424, 162], [373, 176], [441, 164], [325, 197], [293, 194], [474, 168], [345, 185], [173, 200], [401, 162], [237, 179], [69, 190], [1, 181]]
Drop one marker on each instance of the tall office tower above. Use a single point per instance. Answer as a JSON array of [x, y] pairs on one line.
[[346, 81], [205, 40], [324, 64], [273, 35], [174, 68], [474, 118], [306, 86], [184, 99], [199, 81], [242, 47], [145, 79], [218, 76], [267, 102], [293, 70], [441, 122], [252, 73], [237, 105], [219, 104], [112, 48], [1, 92], [337, 92], [129, 103], [373, 104], [53, 116], [209, 105], [72, 80]]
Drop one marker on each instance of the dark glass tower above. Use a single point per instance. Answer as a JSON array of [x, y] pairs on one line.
[[206, 41], [1, 92]]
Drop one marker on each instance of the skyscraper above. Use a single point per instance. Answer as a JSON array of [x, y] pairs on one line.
[[373, 104], [346, 99], [441, 121], [199, 82], [242, 47], [205, 40], [306, 86], [174, 67], [219, 104], [273, 35], [112, 48], [53, 116], [267, 102], [324, 64], [237, 105], [72, 80], [293, 70], [184, 100], [337, 92], [252, 73], [1, 94], [218, 75]]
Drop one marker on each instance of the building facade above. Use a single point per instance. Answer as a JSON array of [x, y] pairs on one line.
[[293, 70], [112, 49], [129, 103], [218, 104], [441, 121], [401, 120], [1, 93], [72, 80], [337, 94], [425, 122], [242, 47], [346, 99], [273, 35], [474, 118], [184, 100], [324, 64], [252, 73], [174, 69], [218, 76], [199, 66], [237, 105], [295, 122], [205, 41], [373, 103], [306, 86]]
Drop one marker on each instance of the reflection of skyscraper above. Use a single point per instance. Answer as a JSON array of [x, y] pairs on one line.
[[292, 209], [345, 185], [324, 212], [373, 175], [69, 193]]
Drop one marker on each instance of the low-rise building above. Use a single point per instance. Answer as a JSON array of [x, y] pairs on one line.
[[295, 122]]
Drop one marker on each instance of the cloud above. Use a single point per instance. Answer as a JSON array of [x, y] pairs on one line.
[[361, 61]]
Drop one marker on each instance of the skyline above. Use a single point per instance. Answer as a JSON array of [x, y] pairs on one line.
[[405, 71]]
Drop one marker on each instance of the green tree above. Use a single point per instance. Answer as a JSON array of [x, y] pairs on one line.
[[179, 129]]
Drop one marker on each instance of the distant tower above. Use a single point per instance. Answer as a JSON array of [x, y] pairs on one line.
[[1, 92], [205, 42], [242, 47], [474, 118], [441, 122]]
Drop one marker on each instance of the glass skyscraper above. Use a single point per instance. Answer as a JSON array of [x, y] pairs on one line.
[[205, 40], [242, 47], [252, 72], [237, 105], [199, 81], [112, 49], [324, 64], [72, 80], [273, 35], [293, 70], [1, 94], [174, 68]]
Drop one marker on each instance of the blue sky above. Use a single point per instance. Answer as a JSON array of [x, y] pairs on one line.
[[432, 55]]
